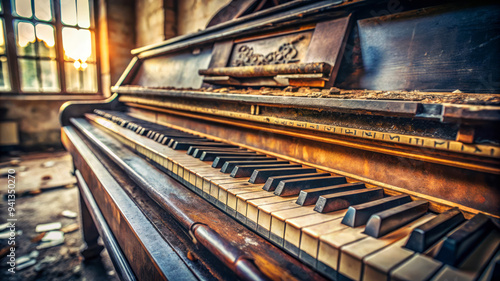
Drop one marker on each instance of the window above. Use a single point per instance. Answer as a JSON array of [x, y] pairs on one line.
[[53, 50]]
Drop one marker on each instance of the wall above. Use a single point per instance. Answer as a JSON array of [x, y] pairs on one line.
[[116, 39], [158, 20], [38, 121], [194, 15], [155, 21]]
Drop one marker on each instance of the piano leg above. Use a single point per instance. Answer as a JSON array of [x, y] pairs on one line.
[[91, 249]]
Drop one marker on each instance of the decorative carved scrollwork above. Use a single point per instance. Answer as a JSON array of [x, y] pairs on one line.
[[285, 54]]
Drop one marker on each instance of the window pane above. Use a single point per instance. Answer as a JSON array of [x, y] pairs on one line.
[[46, 41], [29, 79], [77, 44], [25, 38], [23, 8], [80, 78], [4, 75], [43, 10], [83, 13], [68, 12], [49, 76], [2, 38]]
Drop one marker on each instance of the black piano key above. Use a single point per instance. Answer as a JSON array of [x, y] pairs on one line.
[[177, 144], [165, 138], [154, 136], [158, 137], [169, 140], [219, 161], [210, 156], [230, 165], [294, 186], [457, 244], [261, 176], [154, 133], [184, 139], [310, 196], [214, 146], [338, 201], [143, 131], [199, 151], [389, 220], [243, 171], [359, 214], [273, 182], [181, 136], [430, 232]]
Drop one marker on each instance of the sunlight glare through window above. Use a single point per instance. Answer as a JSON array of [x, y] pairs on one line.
[[23, 8], [77, 44], [68, 12], [42, 10]]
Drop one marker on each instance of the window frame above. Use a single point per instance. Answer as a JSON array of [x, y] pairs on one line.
[[12, 57]]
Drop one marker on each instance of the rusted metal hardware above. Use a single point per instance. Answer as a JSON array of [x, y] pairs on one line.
[[240, 263], [268, 70]]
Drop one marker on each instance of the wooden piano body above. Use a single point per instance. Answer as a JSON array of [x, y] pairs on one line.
[[272, 100]]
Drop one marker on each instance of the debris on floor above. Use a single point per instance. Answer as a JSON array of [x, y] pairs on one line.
[[47, 237], [8, 234], [69, 214], [48, 164], [48, 227], [70, 228], [40, 172]]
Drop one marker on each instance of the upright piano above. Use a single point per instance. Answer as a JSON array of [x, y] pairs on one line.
[[312, 140]]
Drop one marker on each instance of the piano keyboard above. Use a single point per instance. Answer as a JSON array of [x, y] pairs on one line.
[[341, 228]]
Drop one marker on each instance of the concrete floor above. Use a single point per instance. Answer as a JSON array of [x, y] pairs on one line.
[[44, 206]]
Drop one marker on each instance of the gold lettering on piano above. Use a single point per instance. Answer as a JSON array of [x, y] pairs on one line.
[[425, 142]]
